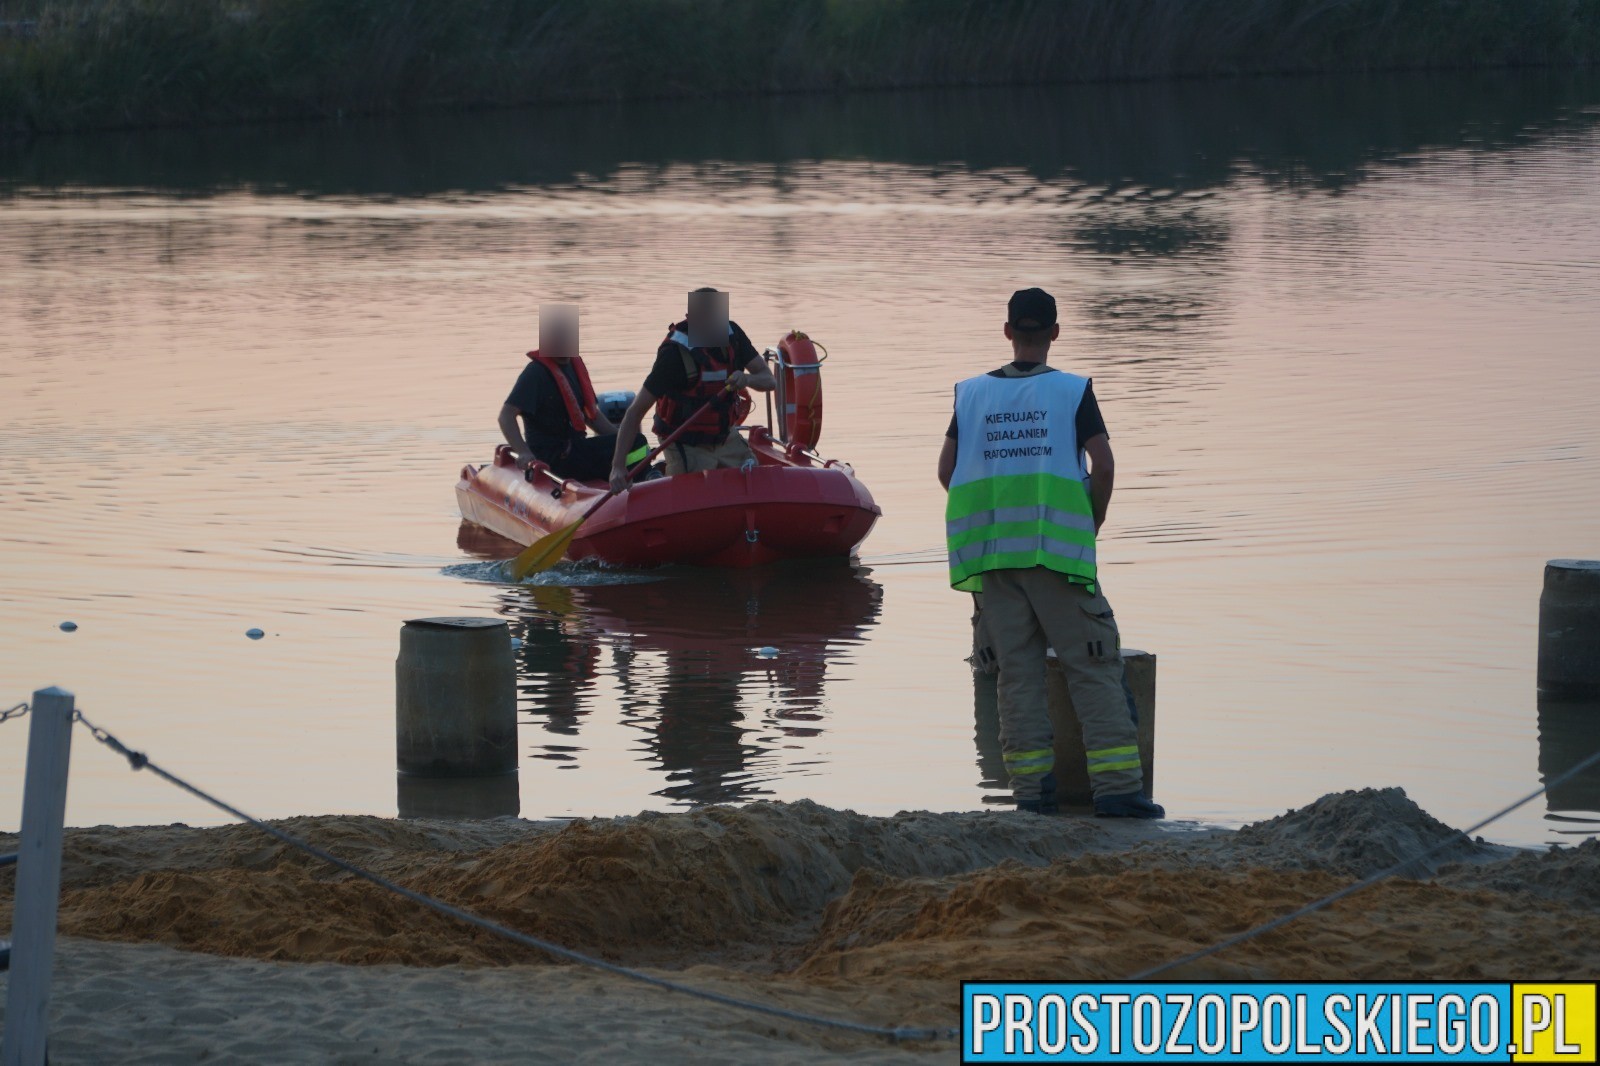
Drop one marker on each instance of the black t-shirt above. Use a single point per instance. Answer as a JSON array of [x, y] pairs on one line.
[[1088, 420], [668, 374], [544, 414]]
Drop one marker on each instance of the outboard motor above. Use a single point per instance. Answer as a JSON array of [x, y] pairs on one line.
[[615, 404]]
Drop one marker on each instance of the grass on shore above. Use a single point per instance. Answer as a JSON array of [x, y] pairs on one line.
[[76, 64]]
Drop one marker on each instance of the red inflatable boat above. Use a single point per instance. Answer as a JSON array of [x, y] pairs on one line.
[[790, 504]]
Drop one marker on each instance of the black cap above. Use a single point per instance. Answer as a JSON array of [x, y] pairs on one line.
[[1031, 309]]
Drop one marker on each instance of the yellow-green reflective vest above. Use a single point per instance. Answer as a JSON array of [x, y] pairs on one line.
[[1019, 496]]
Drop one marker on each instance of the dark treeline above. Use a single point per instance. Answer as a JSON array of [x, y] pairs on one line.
[[79, 64], [1325, 131]]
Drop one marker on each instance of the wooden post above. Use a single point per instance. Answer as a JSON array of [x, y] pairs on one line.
[[33, 931]]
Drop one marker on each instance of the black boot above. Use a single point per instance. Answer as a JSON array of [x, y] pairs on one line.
[[1127, 805]]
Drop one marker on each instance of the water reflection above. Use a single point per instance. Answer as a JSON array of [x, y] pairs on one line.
[[719, 670], [1322, 133], [992, 776], [1569, 732]]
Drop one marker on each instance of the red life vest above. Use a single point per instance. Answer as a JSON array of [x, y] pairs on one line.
[[580, 410], [707, 370]]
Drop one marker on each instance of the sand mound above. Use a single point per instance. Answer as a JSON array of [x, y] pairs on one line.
[[1353, 833], [1109, 918], [106, 854], [1570, 875], [832, 896], [643, 888], [280, 914]]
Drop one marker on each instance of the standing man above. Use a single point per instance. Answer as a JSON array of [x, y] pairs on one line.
[[556, 403], [1020, 522], [706, 358]]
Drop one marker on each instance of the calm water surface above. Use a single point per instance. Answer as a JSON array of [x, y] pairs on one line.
[[1346, 334]]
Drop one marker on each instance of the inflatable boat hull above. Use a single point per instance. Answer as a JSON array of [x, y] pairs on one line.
[[790, 505]]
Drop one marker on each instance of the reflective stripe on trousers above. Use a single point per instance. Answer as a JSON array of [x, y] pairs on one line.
[[1108, 759], [1038, 761]]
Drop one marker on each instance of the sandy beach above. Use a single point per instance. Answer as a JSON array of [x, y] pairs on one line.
[[186, 944]]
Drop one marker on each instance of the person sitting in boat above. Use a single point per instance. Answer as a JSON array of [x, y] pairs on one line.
[[705, 359], [556, 403]]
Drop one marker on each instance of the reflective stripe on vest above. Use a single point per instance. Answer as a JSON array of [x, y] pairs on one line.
[[678, 336], [1019, 496]]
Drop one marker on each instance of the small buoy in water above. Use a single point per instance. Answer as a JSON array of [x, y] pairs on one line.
[[767, 652], [69, 627], [254, 634]]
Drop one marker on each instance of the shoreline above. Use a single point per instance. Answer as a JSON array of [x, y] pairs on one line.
[[870, 919], [22, 134], [115, 65]]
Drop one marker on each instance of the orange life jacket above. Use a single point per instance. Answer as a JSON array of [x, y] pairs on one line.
[[707, 370], [581, 410]]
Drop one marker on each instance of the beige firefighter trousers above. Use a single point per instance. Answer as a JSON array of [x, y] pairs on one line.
[[693, 458], [1024, 611]]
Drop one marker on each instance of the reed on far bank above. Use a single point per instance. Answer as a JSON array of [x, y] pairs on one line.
[[79, 64]]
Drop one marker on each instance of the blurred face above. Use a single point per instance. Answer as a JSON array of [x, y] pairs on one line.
[[708, 319], [558, 331]]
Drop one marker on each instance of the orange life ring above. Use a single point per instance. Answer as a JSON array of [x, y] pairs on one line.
[[801, 370]]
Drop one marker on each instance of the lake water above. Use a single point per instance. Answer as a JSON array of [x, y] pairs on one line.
[[1345, 333]]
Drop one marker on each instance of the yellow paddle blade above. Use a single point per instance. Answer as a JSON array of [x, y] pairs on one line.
[[545, 552]]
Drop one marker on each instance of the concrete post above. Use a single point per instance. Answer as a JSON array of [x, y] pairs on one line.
[[1072, 763], [455, 698], [456, 798], [1569, 629], [33, 934]]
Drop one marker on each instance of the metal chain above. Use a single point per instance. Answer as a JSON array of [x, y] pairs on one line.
[[139, 761], [14, 712], [135, 759]]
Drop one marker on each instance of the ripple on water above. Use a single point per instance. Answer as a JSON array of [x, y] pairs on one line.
[[567, 574]]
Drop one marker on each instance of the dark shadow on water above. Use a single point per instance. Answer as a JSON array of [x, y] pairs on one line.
[[1168, 137]]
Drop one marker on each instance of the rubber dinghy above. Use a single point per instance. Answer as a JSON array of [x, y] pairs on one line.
[[789, 504]]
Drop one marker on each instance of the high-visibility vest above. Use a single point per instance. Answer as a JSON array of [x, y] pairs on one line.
[[1019, 496]]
